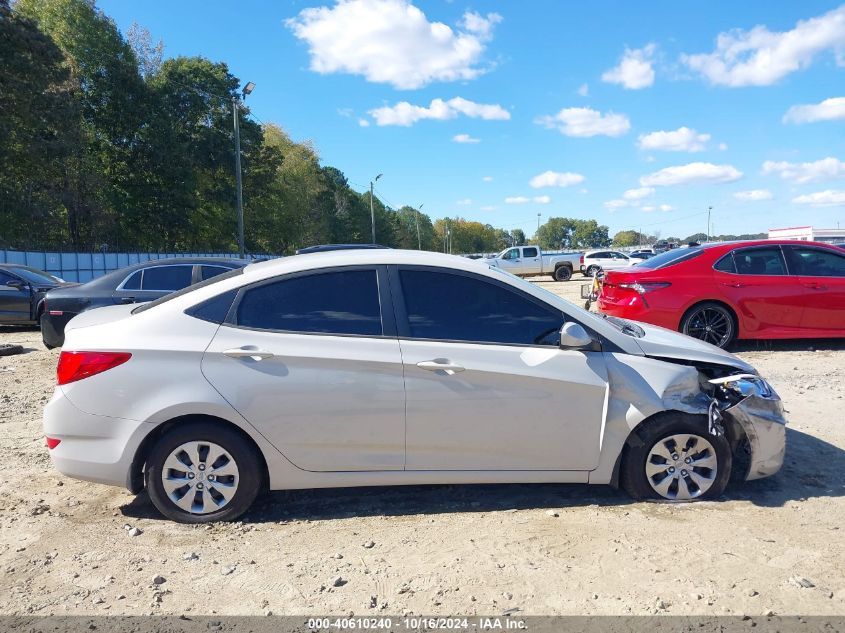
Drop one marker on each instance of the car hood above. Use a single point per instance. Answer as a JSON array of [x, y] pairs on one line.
[[659, 342]]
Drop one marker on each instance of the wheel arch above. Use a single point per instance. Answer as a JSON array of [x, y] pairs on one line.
[[135, 481]]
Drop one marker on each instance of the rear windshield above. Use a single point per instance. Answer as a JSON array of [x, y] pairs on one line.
[[173, 295], [670, 258]]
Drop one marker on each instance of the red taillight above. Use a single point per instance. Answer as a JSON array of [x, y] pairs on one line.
[[643, 287], [52, 442], [582, 259], [78, 365]]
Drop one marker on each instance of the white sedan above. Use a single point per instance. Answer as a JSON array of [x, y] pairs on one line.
[[387, 367], [595, 261]]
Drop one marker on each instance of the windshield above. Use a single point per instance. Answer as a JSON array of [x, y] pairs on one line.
[[669, 258], [35, 276]]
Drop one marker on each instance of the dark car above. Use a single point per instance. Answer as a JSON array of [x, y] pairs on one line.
[[641, 255], [22, 291], [134, 284]]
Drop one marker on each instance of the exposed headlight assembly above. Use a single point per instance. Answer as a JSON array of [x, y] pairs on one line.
[[745, 385]]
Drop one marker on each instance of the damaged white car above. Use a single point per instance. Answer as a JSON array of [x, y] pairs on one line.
[[387, 367]]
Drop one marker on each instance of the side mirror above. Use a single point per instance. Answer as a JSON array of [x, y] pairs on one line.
[[15, 283], [573, 336]]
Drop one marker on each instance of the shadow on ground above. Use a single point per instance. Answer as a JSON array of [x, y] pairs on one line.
[[808, 472], [790, 345]]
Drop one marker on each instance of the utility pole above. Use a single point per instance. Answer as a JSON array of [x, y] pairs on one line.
[[248, 88], [709, 209], [372, 208], [538, 226], [417, 218]]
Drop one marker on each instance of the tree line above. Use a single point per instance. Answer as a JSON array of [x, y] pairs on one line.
[[106, 145]]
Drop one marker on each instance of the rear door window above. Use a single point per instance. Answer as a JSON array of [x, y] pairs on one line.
[[339, 302], [167, 278], [207, 272], [725, 264], [529, 252], [759, 261], [133, 282]]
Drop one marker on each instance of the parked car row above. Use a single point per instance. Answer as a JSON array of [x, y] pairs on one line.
[[390, 367], [33, 297], [530, 261]]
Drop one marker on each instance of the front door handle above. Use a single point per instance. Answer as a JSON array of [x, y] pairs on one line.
[[814, 285], [433, 365], [127, 299], [248, 351], [734, 284]]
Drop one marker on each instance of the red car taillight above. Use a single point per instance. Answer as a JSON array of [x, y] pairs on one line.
[[78, 365], [52, 442], [582, 260], [643, 287]]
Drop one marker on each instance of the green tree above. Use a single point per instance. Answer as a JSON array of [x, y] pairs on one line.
[[627, 238], [518, 237]]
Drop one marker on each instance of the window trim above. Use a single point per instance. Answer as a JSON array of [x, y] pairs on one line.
[[199, 268], [404, 327], [811, 247], [388, 321]]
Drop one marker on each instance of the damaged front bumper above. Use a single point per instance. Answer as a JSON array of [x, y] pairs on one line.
[[750, 402]]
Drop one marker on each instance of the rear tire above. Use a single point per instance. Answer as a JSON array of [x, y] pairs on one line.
[[710, 322], [201, 472], [562, 273], [676, 459], [592, 271]]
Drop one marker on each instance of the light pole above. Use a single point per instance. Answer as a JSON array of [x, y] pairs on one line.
[[372, 208], [538, 228], [709, 209], [248, 88], [417, 218]]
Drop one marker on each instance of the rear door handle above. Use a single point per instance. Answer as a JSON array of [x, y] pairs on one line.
[[815, 286], [127, 299], [433, 365], [734, 284], [248, 351]]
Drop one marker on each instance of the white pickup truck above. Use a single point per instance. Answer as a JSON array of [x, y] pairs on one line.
[[529, 261]]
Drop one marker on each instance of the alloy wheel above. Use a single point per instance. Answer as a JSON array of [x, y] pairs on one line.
[[200, 477], [681, 467], [710, 324]]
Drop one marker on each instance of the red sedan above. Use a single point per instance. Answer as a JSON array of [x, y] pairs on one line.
[[763, 289]]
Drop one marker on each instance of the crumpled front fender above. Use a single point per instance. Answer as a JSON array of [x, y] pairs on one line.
[[763, 421]]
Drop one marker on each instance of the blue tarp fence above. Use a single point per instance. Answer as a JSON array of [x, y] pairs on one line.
[[84, 267]]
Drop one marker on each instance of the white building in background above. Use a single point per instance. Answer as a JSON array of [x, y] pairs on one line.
[[808, 234]]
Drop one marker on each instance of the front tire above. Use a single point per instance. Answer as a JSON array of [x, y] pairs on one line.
[[562, 273], [202, 472], [710, 322], [676, 459]]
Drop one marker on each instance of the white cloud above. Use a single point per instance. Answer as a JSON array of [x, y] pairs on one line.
[[612, 205], [753, 195], [556, 179], [404, 113], [692, 173], [526, 200], [828, 198], [661, 207], [487, 178], [634, 70], [723, 146], [583, 122], [465, 138], [828, 110], [760, 57], [683, 139], [638, 194], [583, 90], [363, 123], [825, 169], [465, 202], [392, 42]]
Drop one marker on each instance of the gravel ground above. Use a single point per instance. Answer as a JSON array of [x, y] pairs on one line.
[[774, 545]]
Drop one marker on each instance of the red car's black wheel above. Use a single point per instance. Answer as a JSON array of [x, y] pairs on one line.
[[710, 322]]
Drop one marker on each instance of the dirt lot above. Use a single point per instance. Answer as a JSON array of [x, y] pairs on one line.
[[548, 549]]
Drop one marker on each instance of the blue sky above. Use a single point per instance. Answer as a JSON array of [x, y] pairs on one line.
[[640, 115]]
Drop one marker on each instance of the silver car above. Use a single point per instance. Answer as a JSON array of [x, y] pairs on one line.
[[389, 367]]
